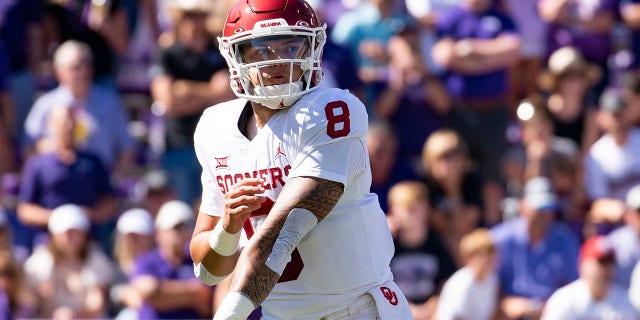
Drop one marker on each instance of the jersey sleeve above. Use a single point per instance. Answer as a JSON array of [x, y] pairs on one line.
[[330, 130], [212, 198]]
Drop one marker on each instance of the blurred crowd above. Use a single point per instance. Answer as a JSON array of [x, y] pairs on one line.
[[504, 143]]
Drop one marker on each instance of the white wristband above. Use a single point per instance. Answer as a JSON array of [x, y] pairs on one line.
[[235, 306], [223, 242], [205, 276]]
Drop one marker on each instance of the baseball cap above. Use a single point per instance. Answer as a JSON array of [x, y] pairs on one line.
[[597, 248], [173, 213], [612, 100], [539, 194], [67, 217], [633, 198], [136, 220]]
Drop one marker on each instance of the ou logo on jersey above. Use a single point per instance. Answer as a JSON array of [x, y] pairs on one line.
[[390, 295]]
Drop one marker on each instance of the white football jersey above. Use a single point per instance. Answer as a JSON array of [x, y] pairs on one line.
[[321, 135]]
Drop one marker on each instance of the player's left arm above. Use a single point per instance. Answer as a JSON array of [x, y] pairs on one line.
[[301, 201]]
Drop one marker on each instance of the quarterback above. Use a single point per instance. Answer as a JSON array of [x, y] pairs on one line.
[[286, 177]]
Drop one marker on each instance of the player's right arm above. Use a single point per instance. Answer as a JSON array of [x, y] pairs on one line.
[[215, 238]]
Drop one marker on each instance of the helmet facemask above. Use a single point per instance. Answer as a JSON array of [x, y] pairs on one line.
[[296, 51]]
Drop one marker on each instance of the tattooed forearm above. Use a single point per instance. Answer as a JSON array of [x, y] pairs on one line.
[[252, 276], [314, 194]]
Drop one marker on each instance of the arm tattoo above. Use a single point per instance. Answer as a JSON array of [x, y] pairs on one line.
[[252, 276]]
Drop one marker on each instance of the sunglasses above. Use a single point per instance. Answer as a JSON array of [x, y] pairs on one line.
[[607, 261]]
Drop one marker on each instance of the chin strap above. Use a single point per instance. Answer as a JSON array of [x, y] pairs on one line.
[[286, 90]]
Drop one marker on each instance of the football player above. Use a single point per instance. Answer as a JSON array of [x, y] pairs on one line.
[[286, 166]]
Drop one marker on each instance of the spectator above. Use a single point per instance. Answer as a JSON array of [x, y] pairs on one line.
[[187, 77], [541, 152], [427, 13], [387, 166], [594, 295], [536, 254], [16, 299], [630, 14], [65, 175], [7, 121], [338, 64], [477, 56], [533, 31], [366, 30], [634, 290], [612, 166], [163, 278], [585, 25], [412, 101], [421, 263], [69, 275], [102, 121], [572, 200], [153, 190], [21, 31], [134, 237], [135, 62], [572, 107], [103, 26], [7, 242], [626, 239], [604, 216], [540, 144], [631, 86], [472, 291], [454, 186]]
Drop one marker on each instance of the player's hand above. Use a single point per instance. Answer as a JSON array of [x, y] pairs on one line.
[[242, 198]]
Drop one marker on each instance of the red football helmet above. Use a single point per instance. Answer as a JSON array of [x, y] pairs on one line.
[[257, 24]]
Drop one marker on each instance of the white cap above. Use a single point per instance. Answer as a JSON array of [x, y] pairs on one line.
[[633, 198], [539, 194], [172, 214], [67, 217], [136, 220]]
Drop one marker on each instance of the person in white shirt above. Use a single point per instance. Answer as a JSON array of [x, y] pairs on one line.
[[287, 164], [594, 295], [612, 165], [625, 240], [472, 291], [634, 289]]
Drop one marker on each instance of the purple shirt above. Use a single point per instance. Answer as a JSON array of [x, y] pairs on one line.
[[595, 47], [153, 264], [535, 270], [50, 183], [414, 120], [530, 26], [460, 23]]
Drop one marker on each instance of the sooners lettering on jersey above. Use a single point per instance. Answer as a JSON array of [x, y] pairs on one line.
[[274, 177]]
